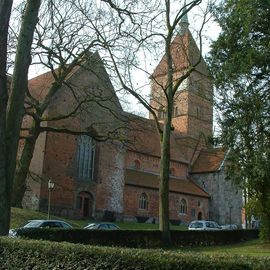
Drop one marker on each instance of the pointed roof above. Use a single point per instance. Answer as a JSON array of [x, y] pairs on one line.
[[150, 180], [209, 160], [93, 64], [185, 53], [184, 23]]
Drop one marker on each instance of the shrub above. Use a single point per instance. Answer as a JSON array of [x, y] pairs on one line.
[[141, 239], [21, 254]]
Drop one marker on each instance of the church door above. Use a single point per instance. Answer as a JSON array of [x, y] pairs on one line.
[[86, 205]]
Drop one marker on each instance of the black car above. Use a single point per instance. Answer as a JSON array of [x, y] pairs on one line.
[[40, 223]]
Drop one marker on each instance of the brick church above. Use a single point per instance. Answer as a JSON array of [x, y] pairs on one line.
[[114, 173]]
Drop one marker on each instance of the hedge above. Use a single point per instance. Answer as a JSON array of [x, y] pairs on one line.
[[139, 239], [21, 254]]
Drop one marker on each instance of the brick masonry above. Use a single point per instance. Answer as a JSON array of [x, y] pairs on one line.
[[107, 193]]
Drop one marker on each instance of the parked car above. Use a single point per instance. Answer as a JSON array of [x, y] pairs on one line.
[[229, 227], [102, 226], [39, 223], [204, 225]]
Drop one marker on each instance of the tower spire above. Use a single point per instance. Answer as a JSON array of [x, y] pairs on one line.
[[184, 23]]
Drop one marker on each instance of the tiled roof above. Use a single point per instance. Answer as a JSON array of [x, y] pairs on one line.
[[40, 85], [185, 52], [144, 138], [151, 180], [208, 160]]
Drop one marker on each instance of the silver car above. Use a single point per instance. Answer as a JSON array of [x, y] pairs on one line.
[[204, 225], [102, 226]]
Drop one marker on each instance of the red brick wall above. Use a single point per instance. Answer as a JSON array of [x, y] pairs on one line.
[[59, 167], [131, 204], [152, 164]]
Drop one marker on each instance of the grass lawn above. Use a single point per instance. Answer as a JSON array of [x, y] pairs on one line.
[[249, 248], [20, 216]]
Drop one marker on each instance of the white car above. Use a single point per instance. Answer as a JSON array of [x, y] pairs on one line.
[[204, 225]]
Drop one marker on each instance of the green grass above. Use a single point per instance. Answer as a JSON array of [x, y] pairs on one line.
[[20, 216], [250, 248]]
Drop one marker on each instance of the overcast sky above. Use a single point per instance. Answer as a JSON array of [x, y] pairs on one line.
[[210, 33]]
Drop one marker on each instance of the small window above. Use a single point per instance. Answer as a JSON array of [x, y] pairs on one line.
[[143, 202], [161, 113], [199, 112], [137, 164], [193, 212], [176, 112], [183, 207], [199, 204], [172, 171]]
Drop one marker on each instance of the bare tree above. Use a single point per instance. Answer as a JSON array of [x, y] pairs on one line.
[[14, 109], [62, 45], [5, 10], [145, 31]]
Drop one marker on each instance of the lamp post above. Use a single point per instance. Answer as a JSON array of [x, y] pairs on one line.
[[230, 208], [50, 188]]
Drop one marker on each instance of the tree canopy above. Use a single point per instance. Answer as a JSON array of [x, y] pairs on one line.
[[240, 65]]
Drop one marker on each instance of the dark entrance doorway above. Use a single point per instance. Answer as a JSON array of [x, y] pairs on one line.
[[200, 216], [86, 203]]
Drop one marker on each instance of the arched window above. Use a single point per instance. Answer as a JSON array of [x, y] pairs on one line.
[[143, 202], [137, 164], [85, 157], [161, 113], [183, 207], [176, 112], [172, 171]]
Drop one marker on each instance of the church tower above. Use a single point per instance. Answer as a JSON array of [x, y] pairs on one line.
[[193, 102]]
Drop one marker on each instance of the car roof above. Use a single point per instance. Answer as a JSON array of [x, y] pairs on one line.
[[96, 223], [47, 220]]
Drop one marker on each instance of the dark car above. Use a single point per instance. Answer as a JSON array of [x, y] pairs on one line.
[[40, 223], [102, 226]]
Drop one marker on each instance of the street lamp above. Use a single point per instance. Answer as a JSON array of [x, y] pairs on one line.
[[230, 208], [50, 188]]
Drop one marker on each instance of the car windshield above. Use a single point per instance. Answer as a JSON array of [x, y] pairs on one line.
[[113, 227], [33, 224], [66, 225], [196, 225], [91, 225]]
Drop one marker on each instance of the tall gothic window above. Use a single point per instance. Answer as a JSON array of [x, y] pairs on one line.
[[183, 207], [161, 113], [143, 202], [85, 157]]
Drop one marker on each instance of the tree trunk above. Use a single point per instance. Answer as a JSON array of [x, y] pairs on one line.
[[164, 222], [5, 10], [19, 86], [164, 211], [19, 184]]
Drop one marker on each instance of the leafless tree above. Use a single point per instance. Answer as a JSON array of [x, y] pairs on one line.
[[144, 32], [12, 110], [62, 44]]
